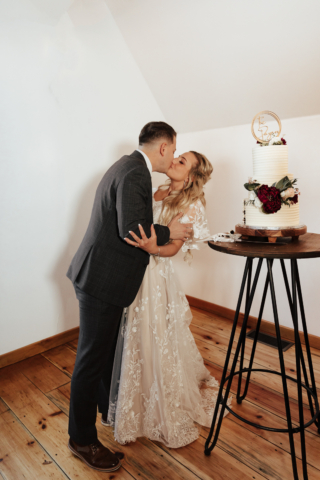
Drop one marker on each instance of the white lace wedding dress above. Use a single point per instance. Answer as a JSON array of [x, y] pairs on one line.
[[158, 369]]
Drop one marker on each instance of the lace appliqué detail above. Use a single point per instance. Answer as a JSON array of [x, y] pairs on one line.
[[197, 216]]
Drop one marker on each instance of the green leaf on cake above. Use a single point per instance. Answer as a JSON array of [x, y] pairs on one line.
[[285, 183], [251, 186], [282, 184]]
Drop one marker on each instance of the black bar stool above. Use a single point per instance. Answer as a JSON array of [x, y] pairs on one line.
[[307, 247]]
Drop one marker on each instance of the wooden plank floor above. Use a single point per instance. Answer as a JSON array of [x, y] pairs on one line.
[[34, 407]]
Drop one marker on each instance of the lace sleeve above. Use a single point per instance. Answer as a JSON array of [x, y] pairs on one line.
[[197, 216]]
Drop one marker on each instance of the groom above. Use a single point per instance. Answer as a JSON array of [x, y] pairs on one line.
[[107, 273]]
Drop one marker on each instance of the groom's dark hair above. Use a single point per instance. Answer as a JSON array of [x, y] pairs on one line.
[[154, 130]]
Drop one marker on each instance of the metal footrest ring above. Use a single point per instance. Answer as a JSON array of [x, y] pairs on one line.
[[270, 429]]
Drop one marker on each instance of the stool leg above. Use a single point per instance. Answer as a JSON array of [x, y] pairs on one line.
[[265, 291], [304, 369], [235, 359], [283, 373], [239, 398], [226, 363], [306, 340], [298, 367]]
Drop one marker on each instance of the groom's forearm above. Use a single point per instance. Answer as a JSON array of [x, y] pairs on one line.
[[163, 234], [134, 227]]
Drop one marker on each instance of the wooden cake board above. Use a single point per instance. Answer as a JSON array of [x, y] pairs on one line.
[[270, 234]]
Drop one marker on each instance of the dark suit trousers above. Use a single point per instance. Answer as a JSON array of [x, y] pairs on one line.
[[91, 378]]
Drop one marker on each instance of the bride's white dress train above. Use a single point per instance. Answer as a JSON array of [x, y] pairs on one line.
[[158, 369]]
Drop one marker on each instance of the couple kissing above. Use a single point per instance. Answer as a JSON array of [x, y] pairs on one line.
[[137, 361]]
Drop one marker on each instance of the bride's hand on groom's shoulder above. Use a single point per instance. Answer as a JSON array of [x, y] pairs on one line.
[[147, 244]]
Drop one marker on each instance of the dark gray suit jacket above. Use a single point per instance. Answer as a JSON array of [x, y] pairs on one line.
[[105, 266]]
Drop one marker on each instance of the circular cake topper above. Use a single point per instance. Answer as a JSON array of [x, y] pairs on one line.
[[260, 130]]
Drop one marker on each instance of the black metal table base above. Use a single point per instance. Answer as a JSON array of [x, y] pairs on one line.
[[294, 297]]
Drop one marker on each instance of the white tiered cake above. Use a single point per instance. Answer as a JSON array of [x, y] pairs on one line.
[[270, 168]]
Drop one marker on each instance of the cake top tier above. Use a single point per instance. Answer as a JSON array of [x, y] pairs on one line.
[[270, 163]]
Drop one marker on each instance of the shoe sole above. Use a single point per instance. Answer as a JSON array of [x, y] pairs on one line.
[[87, 463]]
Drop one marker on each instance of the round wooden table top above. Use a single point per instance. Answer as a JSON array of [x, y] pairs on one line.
[[308, 246]]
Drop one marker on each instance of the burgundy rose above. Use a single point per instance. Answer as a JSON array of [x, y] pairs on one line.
[[284, 142], [262, 193], [273, 206], [270, 197], [294, 199]]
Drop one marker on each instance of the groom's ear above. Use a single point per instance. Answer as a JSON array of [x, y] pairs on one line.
[[163, 147]]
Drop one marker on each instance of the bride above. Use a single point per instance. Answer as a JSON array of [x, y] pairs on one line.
[[158, 370]]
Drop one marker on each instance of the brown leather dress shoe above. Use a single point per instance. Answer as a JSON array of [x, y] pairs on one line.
[[104, 421], [96, 456]]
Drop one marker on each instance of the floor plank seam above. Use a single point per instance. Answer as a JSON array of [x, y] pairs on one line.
[[2, 475], [72, 348], [176, 460], [44, 393], [40, 445], [63, 385], [260, 472], [59, 368]]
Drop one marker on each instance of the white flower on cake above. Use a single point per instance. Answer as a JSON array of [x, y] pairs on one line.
[[290, 192], [274, 140], [257, 202], [252, 196]]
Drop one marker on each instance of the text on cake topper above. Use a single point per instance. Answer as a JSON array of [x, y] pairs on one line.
[[260, 130]]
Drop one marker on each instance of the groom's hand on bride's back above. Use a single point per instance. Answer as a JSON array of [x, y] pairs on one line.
[[179, 231]]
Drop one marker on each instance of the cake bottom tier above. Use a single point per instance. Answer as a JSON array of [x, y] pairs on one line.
[[285, 217]]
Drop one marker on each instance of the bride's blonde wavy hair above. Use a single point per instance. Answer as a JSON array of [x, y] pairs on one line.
[[180, 200]]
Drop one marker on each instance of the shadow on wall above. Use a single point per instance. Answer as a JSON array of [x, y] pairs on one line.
[[69, 304]]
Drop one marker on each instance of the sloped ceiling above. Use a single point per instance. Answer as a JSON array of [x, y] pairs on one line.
[[216, 63]]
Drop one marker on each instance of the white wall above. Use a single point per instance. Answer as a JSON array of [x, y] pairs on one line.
[[73, 101], [216, 277], [214, 63]]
